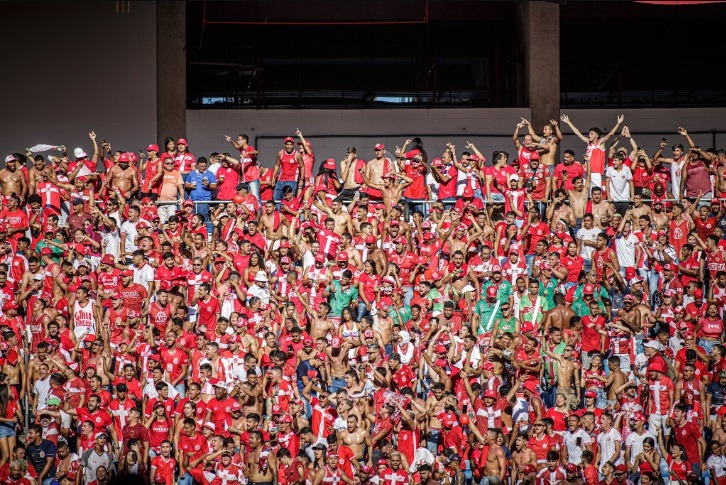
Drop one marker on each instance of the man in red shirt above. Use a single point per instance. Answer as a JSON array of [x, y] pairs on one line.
[[175, 362], [163, 466], [688, 435], [401, 375], [101, 419], [218, 406], [134, 295], [192, 445], [208, 306]]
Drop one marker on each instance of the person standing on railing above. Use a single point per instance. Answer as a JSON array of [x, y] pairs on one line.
[[289, 170], [595, 153], [250, 170], [201, 184], [350, 169], [696, 179], [170, 191]]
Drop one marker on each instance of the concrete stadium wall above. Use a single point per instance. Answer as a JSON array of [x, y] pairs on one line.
[[332, 131], [72, 67]]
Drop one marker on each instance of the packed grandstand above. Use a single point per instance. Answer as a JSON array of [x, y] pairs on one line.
[[395, 316]]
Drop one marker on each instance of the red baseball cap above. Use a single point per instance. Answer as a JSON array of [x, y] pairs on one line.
[[342, 256], [330, 164], [182, 141], [289, 139], [379, 146], [491, 393], [320, 258], [153, 147], [589, 290]]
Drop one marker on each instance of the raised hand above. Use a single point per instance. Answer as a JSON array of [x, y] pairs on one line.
[[298, 132], [682, 131], [553, 122], [565, 118], [92, 135], [524, 122], [621, 118]]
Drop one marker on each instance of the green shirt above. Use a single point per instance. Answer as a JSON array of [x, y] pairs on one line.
[[340, 298], [504, 291], [527, 306], [485, 310], [401, 316]]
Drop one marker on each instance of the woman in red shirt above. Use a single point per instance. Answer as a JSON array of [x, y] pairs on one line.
[[710, 329], [160, 428], [559, 413]]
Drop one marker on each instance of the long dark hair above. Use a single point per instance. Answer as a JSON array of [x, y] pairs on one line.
[[4, 395], [417, 144]]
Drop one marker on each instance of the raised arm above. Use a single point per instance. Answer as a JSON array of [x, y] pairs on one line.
[[614, 130], [566, 119]]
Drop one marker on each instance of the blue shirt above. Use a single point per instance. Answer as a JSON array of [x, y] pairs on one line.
[[200, 192], [37, 455]]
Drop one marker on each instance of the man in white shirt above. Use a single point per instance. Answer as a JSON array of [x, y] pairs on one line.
[[634, 441], [586, 237], [576, 440], [620, 183], [609, 442], [626, 244]]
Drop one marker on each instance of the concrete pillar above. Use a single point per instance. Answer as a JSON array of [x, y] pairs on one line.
[[539, 23], [171, 69]]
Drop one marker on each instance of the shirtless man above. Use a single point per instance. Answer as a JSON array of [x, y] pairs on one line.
[[559, 316], [435, 405], [271, 222], [579, 197], [551, 138], [391, 192], [343, 221], [357, 439], [640, 209], [496, 463], [346, 246], [630, 314], [660, 217], [14, 366], [123, 177], [568, 371], [560, 210], [375, 169], [12, 180], [615, 381], [522, 455], [101, 358], [350, 171], [376, 254], [35, 173], [601, 208], [261, 461]]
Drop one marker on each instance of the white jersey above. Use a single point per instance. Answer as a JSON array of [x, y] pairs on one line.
[[84, 320]]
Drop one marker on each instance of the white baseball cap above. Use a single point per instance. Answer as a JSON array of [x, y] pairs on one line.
[[79, 153]]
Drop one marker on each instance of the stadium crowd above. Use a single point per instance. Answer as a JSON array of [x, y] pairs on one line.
[[395, 319]]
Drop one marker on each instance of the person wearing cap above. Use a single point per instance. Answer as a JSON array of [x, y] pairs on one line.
[[12, 180], [340, 294], [152, 167], [93, 459], [391, 188], [289, 170], [122, 179], [260, 289], [634, 440]]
